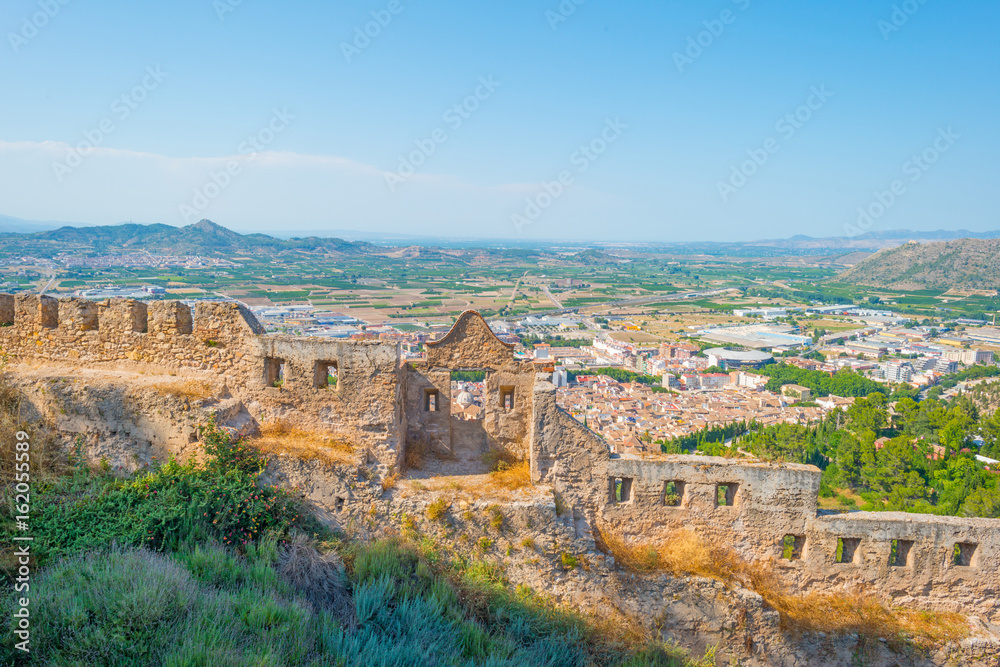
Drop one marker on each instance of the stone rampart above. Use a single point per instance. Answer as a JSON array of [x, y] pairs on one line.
[[351, 389], [359, 391]]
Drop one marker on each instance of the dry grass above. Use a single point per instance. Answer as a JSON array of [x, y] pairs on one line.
[[390, 481], [437, 510], [319, 577], [194, 390], [685, 553], [281, 437], [511, 476]]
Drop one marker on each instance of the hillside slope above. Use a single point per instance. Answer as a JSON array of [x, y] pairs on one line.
[[204, 237], [961, 264]]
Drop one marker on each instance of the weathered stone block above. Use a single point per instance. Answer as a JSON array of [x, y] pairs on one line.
[[32, 311], [125, 316], [169, 318], [78, 314]]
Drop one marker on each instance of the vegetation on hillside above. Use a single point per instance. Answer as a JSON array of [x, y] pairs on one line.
[[961, 264], [202, 564], [843, 383]]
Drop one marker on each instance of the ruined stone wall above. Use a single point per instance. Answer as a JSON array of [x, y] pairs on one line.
[[275, 376], [768, 512], [470, 346]]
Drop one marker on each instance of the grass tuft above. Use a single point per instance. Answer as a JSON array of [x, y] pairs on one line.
[[194, 390], [437, 510], [511, 476], [282, 437]]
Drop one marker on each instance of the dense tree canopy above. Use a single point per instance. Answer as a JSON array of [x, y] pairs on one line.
[[904, 456]]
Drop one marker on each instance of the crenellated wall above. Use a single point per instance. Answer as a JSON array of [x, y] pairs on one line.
[[223, 339], [768, 512], [765, 511]]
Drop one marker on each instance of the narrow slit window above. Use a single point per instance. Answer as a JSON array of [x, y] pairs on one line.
[[725, 494], [621, 490], [847, 549], [964, 554], [274, 372], [673, 494], [899, 554], [792, 547], [507, 398], [431, 400], [325, 375]]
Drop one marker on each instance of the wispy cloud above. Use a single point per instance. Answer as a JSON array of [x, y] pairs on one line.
[[313, 191]]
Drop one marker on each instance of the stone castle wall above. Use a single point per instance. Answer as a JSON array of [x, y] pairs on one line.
[[767, 512], [276, 377]]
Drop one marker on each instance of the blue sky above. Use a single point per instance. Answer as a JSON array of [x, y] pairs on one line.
[[671, 123]]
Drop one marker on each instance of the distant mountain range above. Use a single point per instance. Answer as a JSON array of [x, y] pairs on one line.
[[970, 264], [206, 237], [808, 245], [201, 238]]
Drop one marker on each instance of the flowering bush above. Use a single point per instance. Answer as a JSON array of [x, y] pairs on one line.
[[168, 507]]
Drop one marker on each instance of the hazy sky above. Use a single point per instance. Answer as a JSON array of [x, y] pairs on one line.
[[590, 119]]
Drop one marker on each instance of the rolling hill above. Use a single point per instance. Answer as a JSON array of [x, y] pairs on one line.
[[202, 238], [972, 264]]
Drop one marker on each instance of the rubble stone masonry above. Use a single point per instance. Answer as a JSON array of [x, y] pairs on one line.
[[765, 511]]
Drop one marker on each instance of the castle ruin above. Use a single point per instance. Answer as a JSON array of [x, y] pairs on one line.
[[765, 511]]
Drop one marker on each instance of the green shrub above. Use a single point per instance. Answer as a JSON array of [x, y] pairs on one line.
[[436, 510], [168, 508]]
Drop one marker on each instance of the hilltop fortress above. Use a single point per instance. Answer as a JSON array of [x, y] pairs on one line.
[[386, 407]]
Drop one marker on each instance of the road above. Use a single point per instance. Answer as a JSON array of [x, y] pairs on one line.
[[545, 288], [513, 294], [48, 284]]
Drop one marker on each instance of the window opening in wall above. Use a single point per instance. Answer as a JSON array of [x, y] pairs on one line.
[[963, 554], [468, 395], [847, 549], [621, 490], [899, 553], [507, 398], [325, 375], [431, 398], [274, 372], [673, 494], [725, 494], [792, 547]]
